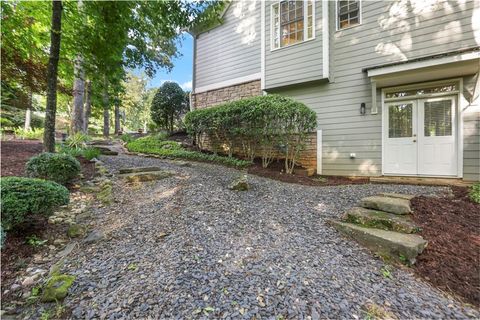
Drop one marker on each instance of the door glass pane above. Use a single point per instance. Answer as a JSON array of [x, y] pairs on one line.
[[400, 120], [438, 118]]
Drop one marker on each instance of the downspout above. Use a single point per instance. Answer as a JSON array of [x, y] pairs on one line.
[[194, 72]]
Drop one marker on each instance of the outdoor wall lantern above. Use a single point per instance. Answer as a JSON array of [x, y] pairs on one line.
[[363, 108]]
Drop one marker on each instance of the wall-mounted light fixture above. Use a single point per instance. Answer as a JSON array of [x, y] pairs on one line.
[[363, 109]]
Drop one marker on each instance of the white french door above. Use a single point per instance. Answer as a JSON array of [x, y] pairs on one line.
[[420, 137]]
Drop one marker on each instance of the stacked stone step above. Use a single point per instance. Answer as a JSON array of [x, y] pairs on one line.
[[383, 224]]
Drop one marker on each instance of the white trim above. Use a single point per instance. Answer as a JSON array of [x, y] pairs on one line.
[[460, 108], [423, 64], [262, 45], [305, 24], [360, 18], [231, 82], [383, 131], [319, 151], [325, 39], [374, 109], [459, 118]]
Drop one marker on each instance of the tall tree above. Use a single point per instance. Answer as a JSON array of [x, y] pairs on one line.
[[88, 106], [52, 72], [167, 105], [78, 87]]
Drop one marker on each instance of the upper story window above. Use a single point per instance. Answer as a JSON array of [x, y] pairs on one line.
[[292, 22], [348, 13]]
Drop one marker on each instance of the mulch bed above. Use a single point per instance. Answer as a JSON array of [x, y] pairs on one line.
[[15, 153], [276, 170], [451, 260]]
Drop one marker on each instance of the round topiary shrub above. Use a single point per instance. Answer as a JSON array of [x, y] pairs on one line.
[[61, 168], [23, 197]]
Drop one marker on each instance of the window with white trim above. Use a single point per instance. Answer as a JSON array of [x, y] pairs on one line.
[[292, 22], [348, 13]]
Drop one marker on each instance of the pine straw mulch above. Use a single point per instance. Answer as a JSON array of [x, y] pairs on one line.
[[451, 260]]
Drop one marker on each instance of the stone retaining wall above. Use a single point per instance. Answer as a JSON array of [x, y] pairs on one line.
[[231, 93]]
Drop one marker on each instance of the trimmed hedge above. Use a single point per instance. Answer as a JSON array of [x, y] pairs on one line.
[[58, 167], [172, 149], [22, 197], [266, 124]]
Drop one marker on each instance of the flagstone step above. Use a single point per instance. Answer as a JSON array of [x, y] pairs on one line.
[[388, 244], [146, 176], [381, 220], [138, 169], [387, 204], [397, 195]]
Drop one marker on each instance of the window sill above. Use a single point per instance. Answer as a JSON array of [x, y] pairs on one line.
[[348, 28], [292, 45]]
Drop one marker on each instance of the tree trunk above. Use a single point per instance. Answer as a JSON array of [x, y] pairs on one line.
[[106, 120], [78, 95], [117, 116], [78, 89], [52, 73], [88, 106], [28, 113]]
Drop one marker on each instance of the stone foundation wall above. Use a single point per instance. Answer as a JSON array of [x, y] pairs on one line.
[[231, 93], [307, 157]]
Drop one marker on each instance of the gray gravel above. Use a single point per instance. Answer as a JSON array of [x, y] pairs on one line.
[[188, 247]]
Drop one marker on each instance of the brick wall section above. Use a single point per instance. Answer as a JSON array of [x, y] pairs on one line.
[[217, 96], [306, 159]]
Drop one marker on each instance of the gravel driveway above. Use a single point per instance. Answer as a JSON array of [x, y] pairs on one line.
[[188, 247]]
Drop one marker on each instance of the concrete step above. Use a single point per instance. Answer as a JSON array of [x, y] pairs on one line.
[[387, 204], [388, 244], [381, 220], [139, 169], [146, 176]]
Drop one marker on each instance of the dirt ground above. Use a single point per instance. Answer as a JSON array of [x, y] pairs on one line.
[[451, 260]]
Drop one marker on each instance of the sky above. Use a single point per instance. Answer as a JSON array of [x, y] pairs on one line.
[[182, 70]]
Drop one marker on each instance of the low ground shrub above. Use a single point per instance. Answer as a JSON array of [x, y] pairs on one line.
[[267, 125], [172, 149], [23, 197], [127, 138], [5, 123], [78, 140], [475, 192], [58, 167], [32, 134], [88, 152]]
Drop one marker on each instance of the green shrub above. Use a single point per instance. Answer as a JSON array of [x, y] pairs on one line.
[[172, 149], [23, 197], [88, 152], [33, 134], [475, 192], [265, 124], [3, 236], [4, 122], [78, 140], [126, 138], [58, 167]]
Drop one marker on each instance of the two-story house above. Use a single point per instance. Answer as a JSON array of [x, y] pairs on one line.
[[395, 84]]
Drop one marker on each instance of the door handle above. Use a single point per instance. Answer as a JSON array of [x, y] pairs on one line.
[[415, 140]]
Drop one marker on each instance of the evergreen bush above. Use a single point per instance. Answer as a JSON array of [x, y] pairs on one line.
[[23, 197], [265, 124], [58, 167]]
